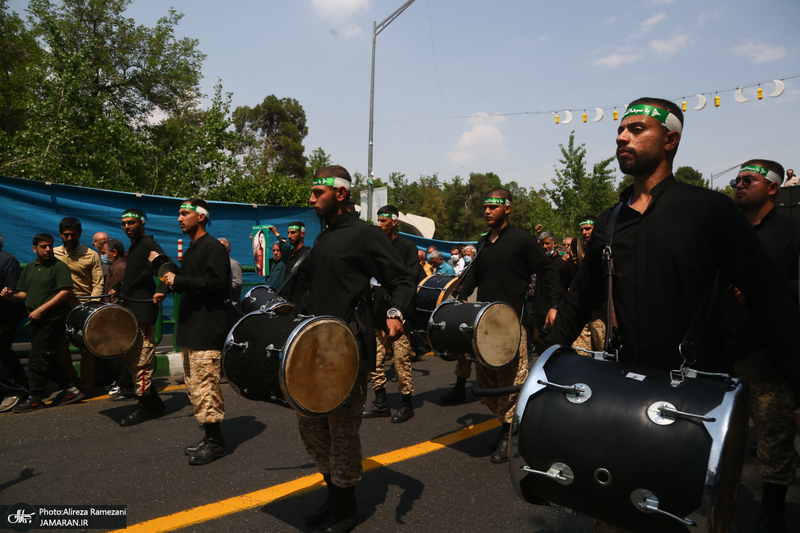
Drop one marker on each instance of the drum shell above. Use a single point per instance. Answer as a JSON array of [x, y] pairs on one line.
[[257, 298], [431, 292], [463, 323], [253, 369], [104, 330], [692, 467]]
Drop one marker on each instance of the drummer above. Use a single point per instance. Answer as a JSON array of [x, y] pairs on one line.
[[401, 348], [669, 241], [138, 284], [336, 277], [502, 271], [203, 323]]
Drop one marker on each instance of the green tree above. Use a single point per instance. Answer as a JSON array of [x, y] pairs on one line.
[[691, 176], [276, 129], [317, 160]]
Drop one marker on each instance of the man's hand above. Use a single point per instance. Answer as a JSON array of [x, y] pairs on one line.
[[7, 294], [158, 297], [36, 314], [551, 318], [153, 255], [169, 279], [394, 328], [738, 295]]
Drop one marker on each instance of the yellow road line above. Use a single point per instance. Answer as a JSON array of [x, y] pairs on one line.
[[298, 486], [165, 389]]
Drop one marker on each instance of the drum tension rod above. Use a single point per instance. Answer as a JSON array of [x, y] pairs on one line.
[[577, 393], [668, 411], [647, 502], [558, 472]]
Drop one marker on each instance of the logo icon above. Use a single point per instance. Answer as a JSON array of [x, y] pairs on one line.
[[21, 517]]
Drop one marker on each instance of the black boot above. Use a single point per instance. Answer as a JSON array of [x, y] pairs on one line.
[[771, 517], [406, 412], [457, 394], [211, 448], [153, 403], [137, 416], [380, 407], [500, 454], [318, 517], [342, 518]]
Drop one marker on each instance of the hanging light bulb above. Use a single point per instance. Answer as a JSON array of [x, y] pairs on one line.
[[683, 105], [716, 101], [616, 115], [556, 119], [584, 117], [760, 93]]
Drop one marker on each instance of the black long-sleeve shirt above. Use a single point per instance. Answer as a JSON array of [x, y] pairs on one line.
[[204, 285], [781, 238], [138, 282], [502, 270], [540, 303], [664, 261]]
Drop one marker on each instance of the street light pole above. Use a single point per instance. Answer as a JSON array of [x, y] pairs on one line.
[[376, 29]]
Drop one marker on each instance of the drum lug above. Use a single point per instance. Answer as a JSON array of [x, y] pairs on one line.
[[438, 325], [664, 414], [241, 345], [647, 502], [271, 348], [577, 393], [464, 328], [558, 472]]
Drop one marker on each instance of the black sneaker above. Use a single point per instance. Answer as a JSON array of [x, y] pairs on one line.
[[68, 396], [30, 404]]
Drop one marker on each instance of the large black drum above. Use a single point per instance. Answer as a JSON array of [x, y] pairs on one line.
[[257, 297], [618, 442], [485, 332], [104, 330], [432, 291], [276, 355]]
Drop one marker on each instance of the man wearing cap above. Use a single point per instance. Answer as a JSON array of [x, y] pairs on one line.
[[335, 280], [502, 272], [662, 265], [136, 286], [771, 398], [202, 325], [401, 348]]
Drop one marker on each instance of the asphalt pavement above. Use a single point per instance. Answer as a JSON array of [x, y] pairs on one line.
[[429, 474]]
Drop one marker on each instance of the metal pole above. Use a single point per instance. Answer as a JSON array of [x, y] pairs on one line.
[[376, 29]]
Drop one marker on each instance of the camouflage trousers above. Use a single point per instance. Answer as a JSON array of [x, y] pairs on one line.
[[402, 364], [141, 359], [771, 406], [333, 442], [201, 370], [592, 337], [514, 373], [463, 368]]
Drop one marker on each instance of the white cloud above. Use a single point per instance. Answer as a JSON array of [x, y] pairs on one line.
[[353, 30], [667, 2], [759, 52], [708, 16], [611, 20], [339, 10], [671, 45], [615, 60], [484, 140], [648, 24]]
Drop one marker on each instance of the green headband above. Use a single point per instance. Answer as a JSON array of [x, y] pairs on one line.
[[669, 120], [196, 208], [295, 227], [332, 182], [587, 222], [496, 201], [387, 215], [768, 174], [133, 215]]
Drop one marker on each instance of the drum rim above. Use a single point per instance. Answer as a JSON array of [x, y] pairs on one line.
[[478, 318], [251, 289], [89, 319], [227, 344], [282, 366]]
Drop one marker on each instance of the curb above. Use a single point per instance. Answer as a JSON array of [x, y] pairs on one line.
[[167, 365]]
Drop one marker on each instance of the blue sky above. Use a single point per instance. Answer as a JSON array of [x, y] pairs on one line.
[[468, 86]]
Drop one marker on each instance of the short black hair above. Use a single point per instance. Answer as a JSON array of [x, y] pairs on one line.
[[42, 237], [135, 212], [500, 192], [392, 210], [298, 223], [69, 223], [116, 244], [660, 103]]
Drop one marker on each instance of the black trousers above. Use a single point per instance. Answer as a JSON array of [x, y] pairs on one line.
[[43, 364]]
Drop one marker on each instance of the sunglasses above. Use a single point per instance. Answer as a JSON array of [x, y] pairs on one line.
[[746, 181]]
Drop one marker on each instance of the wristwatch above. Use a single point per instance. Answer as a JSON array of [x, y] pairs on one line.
[[395, 313]]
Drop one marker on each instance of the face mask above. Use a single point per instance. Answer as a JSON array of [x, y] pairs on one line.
[[428, 257], [550, 253], [467, 259], [104, 258], [454, 256]]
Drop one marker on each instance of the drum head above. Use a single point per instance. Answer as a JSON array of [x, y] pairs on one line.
[[319, 366], [497, 335], [110, 331], [162, 264]]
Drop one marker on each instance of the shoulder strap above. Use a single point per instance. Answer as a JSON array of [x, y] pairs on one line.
[[608, 270]]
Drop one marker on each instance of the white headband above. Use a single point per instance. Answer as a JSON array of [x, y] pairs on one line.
[[768, 174], [332, 182], [200, 210]]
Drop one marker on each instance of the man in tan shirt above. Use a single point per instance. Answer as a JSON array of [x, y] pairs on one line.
[[87, 280]]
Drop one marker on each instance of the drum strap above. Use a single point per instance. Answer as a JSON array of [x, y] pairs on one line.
[[688, 346], [608, 271]]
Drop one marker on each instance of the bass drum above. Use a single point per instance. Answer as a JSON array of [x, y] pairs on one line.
[[485, 332], [617, 442], [104, 330], [276, 355], [257, 298], [432, 291]]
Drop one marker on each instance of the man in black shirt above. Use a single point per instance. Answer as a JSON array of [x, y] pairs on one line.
[[335, 280], [202, 325], [293, 252], [507, 257], [138, 284], [401, 348], [771, 398]]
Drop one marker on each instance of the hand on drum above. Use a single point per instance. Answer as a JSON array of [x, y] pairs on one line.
[[169, 279], [153, 255], [158, 298], [394, 328]]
